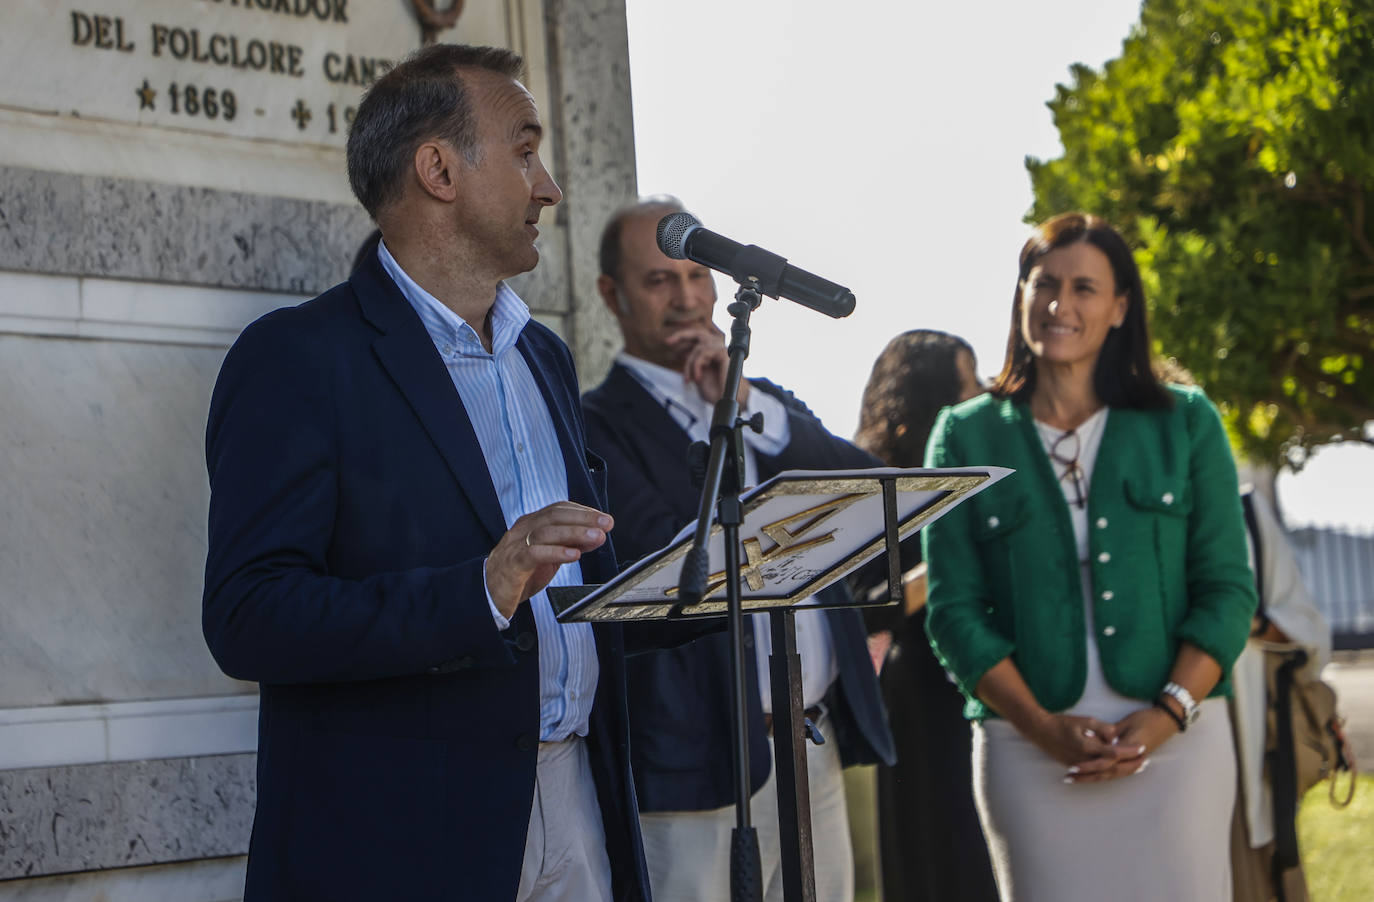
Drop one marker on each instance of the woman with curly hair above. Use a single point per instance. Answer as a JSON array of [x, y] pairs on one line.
[[930, 844]]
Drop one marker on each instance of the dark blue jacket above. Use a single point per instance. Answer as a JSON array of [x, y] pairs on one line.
[[680, 698], [350, 514]]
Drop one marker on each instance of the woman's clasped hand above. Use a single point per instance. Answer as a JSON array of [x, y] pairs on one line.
[[1094, 750]]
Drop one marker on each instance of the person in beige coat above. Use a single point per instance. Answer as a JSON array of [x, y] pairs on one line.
[[1287, 615]]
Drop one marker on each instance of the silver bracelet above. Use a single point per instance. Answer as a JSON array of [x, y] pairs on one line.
[[1185, 700]]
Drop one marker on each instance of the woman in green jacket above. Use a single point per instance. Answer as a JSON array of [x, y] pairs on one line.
[[1090, 604]]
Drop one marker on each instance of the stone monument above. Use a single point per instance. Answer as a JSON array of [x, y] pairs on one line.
[[169, 171]]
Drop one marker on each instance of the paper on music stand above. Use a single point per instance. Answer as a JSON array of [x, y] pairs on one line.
[[802, 531]]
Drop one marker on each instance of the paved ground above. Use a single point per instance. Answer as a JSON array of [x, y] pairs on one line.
[[1352, 674]]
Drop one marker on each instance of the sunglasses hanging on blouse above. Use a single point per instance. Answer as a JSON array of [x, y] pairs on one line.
[[1065, 452]]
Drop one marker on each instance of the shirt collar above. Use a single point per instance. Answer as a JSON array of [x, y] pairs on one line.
[[659, 380], [452, 334]]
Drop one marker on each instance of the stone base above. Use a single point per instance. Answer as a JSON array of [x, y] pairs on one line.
[[217, 880], [81, 225], [58, 820]]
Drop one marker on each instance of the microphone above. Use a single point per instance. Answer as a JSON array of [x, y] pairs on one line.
[[681, 237]]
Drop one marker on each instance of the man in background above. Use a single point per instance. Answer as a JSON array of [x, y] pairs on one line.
[[656, 400]]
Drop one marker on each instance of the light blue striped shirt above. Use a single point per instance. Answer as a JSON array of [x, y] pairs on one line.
[[516, 434]]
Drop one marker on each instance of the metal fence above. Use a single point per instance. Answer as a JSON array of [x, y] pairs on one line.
[[1338, 569]]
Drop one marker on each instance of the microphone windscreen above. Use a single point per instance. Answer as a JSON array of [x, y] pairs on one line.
[[673, 230]]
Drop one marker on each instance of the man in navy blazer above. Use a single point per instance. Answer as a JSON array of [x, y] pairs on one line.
[[655, 400], [397, 471]]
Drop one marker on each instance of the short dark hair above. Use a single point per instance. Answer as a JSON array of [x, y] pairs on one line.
[[913, 378], [1123, 376], [611, 251], [421, 98]]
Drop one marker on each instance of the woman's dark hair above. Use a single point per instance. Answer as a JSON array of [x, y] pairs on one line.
[[1123, 376], [915, 375]]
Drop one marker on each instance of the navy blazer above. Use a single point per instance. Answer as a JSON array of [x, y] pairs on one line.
[[680, 698], [350, 514]]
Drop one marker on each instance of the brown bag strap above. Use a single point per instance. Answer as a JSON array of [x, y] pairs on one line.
[[1345, 761], [1349, 792]]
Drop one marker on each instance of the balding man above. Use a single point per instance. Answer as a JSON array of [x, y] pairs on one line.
[[656, 400]]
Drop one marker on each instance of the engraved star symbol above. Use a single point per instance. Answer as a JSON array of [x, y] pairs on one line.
[[145, 96]]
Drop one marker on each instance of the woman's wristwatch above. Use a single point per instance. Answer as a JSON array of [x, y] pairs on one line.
[[1185, 701]]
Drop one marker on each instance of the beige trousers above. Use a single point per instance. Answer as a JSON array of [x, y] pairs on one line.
[[565, 849], [688, 852]]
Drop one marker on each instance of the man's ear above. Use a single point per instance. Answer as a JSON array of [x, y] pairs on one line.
[[605, 286], [436, 169]]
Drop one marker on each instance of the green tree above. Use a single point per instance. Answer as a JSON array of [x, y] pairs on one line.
[[1233, 143]]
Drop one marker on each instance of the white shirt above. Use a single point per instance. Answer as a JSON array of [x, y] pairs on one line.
[[693, 413], [1099, 699]]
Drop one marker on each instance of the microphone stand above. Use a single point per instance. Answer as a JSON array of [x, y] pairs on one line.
[[724, 477]]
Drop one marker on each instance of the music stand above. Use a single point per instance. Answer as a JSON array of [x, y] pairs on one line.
[[800, 532]]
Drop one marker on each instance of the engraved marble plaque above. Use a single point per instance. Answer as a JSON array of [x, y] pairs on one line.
[[270, 70]]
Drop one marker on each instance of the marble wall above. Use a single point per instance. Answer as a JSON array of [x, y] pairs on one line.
[[118, 815], [134, 245], [589, 45], [90, 225]]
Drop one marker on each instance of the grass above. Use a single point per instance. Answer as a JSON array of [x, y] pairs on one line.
[[1338, 844]]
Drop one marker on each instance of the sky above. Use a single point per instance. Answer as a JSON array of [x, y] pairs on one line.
[[881, 145]]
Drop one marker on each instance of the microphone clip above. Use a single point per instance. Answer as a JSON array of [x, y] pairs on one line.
[[753, 267]]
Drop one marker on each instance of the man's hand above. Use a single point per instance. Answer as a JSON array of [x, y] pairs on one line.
[[536, 545], [706, 361]]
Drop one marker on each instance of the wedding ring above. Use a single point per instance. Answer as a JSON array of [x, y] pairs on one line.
[[528, 543]]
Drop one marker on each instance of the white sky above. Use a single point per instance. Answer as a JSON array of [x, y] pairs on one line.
[[881, 145]]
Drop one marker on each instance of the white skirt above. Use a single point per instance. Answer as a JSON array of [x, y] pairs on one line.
[[1161, 834]]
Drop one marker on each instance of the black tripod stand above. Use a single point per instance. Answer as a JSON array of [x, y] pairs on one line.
[[721, 487]]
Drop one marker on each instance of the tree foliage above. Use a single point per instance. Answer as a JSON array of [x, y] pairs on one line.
[[1233, 143]]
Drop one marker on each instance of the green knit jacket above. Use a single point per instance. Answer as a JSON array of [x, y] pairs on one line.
[[1167, 542]]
